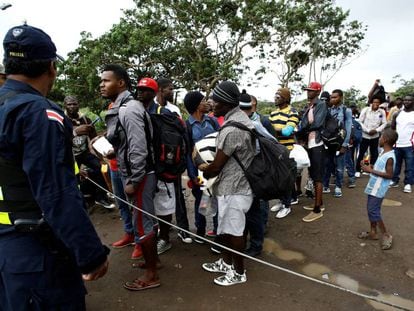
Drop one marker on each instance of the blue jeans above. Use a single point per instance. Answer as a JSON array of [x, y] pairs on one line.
[[407, 154], [200, 220], [334, 164], [124, 209], [350, 161], [256, 219]]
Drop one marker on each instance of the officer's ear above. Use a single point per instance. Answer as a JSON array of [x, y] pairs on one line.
[[53, 68], [121, 83]]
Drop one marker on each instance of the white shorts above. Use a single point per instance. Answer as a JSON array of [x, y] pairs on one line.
[[231, 213]]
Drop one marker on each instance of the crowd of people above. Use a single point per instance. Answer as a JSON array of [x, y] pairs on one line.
[[45, 232]]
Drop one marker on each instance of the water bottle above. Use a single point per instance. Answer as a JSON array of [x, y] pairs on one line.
[[206, 207]]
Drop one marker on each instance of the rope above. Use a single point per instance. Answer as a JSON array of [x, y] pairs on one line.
[[369, 297]]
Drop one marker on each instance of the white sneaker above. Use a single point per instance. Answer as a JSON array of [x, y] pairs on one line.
[[326, 190], [277, 207], [218, 266], [231, 278], [407, 189], [283, 212], [357, 174]]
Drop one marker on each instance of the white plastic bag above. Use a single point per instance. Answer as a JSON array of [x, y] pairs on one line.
[[164, 200], [300, 155]]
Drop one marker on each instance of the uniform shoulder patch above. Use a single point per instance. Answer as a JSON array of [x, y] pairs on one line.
[[54, 116]]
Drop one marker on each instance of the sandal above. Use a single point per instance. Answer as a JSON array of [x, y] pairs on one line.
[[386, 242], [143, 265], [365, 235], [138, 285]]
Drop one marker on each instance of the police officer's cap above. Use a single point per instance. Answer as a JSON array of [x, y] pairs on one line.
[[28, 43]]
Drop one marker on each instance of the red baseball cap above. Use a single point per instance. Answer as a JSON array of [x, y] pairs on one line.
[[149, 84], [314, 86]]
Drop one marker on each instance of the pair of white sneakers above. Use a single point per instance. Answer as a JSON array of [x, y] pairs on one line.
[[281, 210]]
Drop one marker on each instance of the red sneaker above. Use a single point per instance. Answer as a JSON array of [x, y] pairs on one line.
[[137, 253], [211, 234], [127, 239]]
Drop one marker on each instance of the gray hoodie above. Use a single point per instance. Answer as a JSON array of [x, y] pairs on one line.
[[129, 138]]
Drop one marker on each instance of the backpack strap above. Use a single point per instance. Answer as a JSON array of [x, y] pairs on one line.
[[150, 158], [119, 126], [243, 128]]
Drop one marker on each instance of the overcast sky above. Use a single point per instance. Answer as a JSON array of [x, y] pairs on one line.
[[389, 44]]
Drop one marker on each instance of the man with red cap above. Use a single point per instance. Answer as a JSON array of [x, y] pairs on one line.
[[309, 131]]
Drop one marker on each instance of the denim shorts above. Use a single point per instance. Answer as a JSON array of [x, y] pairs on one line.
[[374, 208]]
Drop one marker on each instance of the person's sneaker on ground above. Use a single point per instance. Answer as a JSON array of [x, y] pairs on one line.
[[365, 173], [185, 237], [357, 174], [218, 266], [105, 203], [294, 201], [215, 249], [252, 252], [163, 246], [326, 190], [312, 216], [211, 234], [311, 207], [351, 184], [231, 278], [283, 212], [338, 192], [299, 193], [127, 239], [198, 239], [276, 207], [394, 184], [137, 252], [407, 189]]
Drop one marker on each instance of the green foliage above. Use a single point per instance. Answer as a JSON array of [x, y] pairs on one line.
[[199, 43], [406, 88], [353, 96]]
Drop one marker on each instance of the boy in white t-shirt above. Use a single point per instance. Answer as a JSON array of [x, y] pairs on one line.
[[380, 178]]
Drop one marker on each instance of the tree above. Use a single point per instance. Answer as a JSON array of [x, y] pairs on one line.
[[406, 88], [305, 33], [353, 96], [198, 43]]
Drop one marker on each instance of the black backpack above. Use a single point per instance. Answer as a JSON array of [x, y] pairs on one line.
[[170, 145], [271, 174], [333, 133]]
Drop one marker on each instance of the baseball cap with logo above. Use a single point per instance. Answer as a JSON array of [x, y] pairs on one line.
[[314, 86], [148, 83], [28, 43]]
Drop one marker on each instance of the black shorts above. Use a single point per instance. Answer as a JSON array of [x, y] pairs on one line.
[[317, 163]]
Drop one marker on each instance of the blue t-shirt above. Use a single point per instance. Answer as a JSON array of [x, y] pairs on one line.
[[377, 186]]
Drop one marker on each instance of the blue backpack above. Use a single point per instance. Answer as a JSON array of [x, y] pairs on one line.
[[356, 132]]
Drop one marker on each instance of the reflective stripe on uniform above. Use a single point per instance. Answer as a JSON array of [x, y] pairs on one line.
[[5, 218]]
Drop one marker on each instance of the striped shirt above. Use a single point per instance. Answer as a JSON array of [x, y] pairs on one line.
[[281, 118], [377, 186]]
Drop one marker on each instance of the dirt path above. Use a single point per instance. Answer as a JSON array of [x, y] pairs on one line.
[[326, 249]]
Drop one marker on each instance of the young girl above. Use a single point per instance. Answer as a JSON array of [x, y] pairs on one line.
[[380, 178]]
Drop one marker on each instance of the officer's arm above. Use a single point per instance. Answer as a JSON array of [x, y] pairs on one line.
[[46, 161]]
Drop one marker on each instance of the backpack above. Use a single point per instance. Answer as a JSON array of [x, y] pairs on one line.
[[333, 133], [271, 174], [170, 145], [356, 132]]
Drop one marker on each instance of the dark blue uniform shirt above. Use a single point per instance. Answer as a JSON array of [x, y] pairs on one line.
[[35, 133]]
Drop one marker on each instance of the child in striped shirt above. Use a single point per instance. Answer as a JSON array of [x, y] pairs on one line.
[[380, 178]]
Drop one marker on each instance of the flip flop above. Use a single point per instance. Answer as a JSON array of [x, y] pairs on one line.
[[386, 242], [143, 265], [138, 285], [364, 235]]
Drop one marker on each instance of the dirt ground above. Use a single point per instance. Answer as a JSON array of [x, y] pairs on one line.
[[326, 249]]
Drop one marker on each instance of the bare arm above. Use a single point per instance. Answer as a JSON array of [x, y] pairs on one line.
[[216, 166], [389, 171]]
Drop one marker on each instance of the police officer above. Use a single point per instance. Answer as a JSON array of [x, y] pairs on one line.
[[48, 244]]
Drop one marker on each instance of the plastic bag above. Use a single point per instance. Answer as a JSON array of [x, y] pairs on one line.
[[300, 155], [208, 204]]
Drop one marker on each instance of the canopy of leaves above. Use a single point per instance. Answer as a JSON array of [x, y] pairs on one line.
[[197, 43]]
